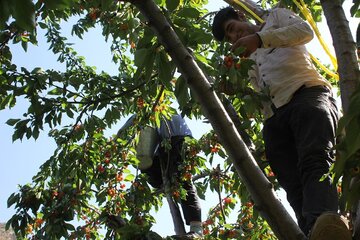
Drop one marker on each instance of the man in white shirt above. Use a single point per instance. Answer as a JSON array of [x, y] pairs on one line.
[[301, 115]]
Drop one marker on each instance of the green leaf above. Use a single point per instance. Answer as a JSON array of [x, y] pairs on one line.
[[55, 91], [149, 65], [106, 4], [69, 112], [200, 58], [5, 101], [42, 25], [24, 45], [115, 113], [12, 121], [181, 22], [97, 135], [69, 226], [140, 56], [354, 10], [129, 178], [145, 41], [24, 13], [8, 223], [28, 133], [57, 4], [37, 70], [188, 12], [153, 236], [20, 129], [233, 76], [4, 13], [245, 66], [134, 23], [165, 68], [108, 115], [181, 91], [5, 52], [12, 199], [172, 4], [198, 36], [353, 138]]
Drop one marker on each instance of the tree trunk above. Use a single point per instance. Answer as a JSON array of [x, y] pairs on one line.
[[257, 184], [345, 50]]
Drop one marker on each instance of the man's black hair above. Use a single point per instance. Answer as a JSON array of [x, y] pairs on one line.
[[220, 18]]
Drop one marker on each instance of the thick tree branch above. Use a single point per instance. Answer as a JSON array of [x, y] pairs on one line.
[[345, 49]]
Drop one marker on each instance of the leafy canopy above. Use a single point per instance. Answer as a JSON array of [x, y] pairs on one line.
[[91, 185]]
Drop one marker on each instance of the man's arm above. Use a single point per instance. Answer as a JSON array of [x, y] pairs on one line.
[[250, 42], [291, 31]]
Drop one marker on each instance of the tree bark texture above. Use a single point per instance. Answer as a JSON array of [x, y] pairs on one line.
[[257, 184], [345, 49]]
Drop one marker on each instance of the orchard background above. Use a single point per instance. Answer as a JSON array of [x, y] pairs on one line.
[[89, 186]]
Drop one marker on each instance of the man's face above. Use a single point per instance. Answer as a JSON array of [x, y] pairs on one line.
[[235, 29]]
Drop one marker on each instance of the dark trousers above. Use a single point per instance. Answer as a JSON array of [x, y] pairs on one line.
[[298, 140], [191, 205]]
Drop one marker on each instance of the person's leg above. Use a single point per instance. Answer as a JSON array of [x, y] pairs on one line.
[[313, 118], [191, 205], [154, 172], [282, 156]]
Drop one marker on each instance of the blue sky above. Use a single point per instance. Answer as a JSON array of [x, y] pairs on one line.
[[20, 160]]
